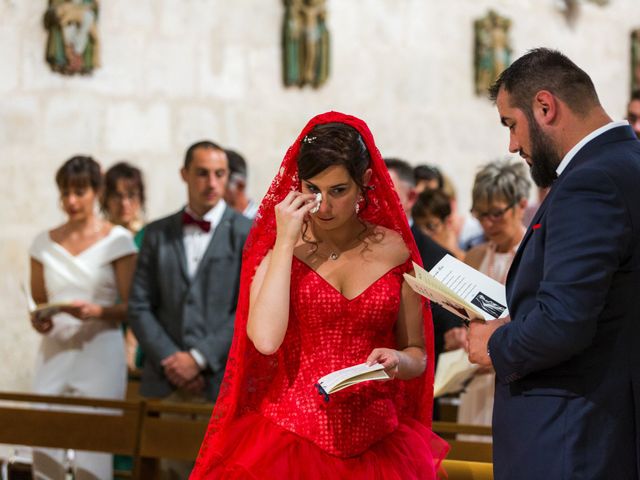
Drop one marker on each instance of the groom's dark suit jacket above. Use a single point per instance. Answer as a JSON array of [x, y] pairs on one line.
[[567, 402]]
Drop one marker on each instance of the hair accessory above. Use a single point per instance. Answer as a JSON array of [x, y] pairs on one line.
[[308, 139]]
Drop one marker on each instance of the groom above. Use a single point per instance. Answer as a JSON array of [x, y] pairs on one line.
[[567, 365]]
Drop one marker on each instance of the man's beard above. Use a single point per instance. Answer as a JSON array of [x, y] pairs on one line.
[[544, 158]]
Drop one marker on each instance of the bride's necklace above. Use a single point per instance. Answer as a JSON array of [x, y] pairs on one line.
[[334, 253]]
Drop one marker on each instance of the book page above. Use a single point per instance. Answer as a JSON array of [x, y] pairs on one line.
[[31, 305], [453, 373], [348, 376], [42, 310], [484, 293], [442, 295]]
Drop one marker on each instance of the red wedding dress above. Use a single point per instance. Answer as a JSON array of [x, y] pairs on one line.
[[271, 423]]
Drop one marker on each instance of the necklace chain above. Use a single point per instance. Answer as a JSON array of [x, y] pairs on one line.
[[335, 253]]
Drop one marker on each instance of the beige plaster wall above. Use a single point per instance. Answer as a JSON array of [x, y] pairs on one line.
[[176, 71]]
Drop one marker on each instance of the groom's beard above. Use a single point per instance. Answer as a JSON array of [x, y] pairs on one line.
[[544, 157]]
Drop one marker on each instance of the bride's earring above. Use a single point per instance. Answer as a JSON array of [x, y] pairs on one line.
[[357, 207]]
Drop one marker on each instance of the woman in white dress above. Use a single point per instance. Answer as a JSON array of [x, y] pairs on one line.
[[500, 194], [87, 264]]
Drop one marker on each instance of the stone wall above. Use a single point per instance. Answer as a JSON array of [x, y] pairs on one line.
[[176, 71]]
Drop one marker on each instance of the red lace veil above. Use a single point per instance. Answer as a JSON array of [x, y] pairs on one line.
[[248, 373]]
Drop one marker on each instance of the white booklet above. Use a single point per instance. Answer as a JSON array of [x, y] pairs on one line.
[[453, 373], [461, 289], [339, 379], [42, 310]]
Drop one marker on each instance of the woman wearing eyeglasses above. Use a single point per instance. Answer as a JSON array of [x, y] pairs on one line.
[[500, 194]]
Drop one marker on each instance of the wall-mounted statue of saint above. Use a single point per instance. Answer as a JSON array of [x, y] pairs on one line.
[[72, 44], [571, 8], [492, 49], [305, 39], [635, 60]]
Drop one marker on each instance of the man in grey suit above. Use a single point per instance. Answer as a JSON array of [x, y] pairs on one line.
[[183, 298]]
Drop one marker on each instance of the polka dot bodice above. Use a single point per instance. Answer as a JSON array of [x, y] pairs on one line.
[[328, 332]]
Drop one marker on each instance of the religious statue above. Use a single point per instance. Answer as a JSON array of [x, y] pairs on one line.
[[305, 43], [635, 60], [571, 8], [492, 49], [73, 43]]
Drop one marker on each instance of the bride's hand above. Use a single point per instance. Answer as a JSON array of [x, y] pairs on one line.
[[388, 358], [290, 214]]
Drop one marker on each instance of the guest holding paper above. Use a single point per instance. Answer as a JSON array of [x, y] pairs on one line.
[[86, 263], [567, 389], [322, 289], [500, 193]]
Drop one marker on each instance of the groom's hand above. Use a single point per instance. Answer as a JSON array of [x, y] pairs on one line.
[[478, 340]]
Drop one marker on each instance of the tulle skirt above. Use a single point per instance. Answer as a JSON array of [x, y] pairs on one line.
[[254, 448]]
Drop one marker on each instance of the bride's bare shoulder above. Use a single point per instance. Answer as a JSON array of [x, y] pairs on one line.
[[390, 244]]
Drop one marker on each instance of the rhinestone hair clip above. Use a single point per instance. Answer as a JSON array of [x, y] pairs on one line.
[[308, 139]]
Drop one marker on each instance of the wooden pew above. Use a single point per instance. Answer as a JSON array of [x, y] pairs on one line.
[[24, 422], [463, 470], [465, 450], [150, 430], [172, 431]]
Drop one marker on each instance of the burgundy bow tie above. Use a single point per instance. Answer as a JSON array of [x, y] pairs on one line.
[[189, 220]]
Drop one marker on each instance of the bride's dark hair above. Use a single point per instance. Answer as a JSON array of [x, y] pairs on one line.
[[334, 144]]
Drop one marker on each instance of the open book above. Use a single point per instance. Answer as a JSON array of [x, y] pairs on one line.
[[461, 289], [42, 310], [336, 381], [453, 373]]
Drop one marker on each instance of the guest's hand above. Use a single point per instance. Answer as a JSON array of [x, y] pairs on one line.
[[180, 368], [478, 340], [388, 358], [41, 324], [83, 310], [196, 385], [290, 214], [455, 338]]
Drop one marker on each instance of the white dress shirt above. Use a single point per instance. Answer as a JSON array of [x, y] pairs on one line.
[[252, 210], [196, 241], [576, 148]]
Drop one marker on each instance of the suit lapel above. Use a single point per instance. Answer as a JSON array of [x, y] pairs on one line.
[[617, 134], [217, 247], [177, 240], [527, 235]]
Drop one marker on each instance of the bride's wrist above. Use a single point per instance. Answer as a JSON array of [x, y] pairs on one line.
[[284, 246]]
